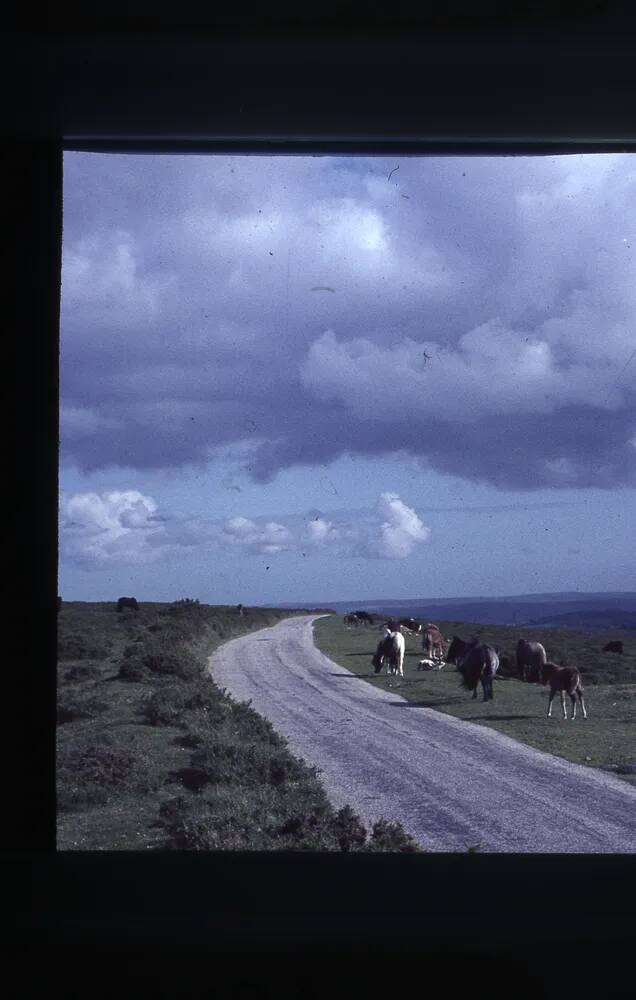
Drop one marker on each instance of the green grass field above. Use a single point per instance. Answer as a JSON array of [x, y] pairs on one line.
[[606, 739], [152, 755]]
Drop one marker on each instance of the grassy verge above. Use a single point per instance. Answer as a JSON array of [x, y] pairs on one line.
[[605, 739], [151, 754]]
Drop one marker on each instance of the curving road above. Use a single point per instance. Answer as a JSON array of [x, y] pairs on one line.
[[450, 783]]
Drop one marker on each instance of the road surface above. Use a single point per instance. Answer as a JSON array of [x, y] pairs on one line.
[[451, 784]]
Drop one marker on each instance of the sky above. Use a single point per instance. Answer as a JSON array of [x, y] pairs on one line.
[[292, 379]]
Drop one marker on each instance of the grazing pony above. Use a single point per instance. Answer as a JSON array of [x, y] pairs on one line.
[[391, 649], [127, 602], [476, 662], [532, 655], [433, 642], [364, 617], [563, 679]]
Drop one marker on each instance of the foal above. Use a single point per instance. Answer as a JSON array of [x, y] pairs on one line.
[[563, 679]]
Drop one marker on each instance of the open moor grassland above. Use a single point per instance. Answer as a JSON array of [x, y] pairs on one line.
[[152, 755], [605, 739]]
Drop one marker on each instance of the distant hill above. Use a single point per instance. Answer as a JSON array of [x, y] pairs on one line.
[[597, 619], [566, 610]]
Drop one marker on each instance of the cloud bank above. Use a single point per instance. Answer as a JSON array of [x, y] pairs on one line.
[[476, 313], [125, 528]]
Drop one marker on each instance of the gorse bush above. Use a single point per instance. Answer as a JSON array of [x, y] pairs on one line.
[[171, 705], [387, 836], [231, 760], [88, 773], [154, 656]]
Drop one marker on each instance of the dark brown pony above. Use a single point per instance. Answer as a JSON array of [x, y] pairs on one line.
[[563, 679], [476, 662], [127, 602]]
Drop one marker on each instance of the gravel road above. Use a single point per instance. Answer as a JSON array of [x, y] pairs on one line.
[[450, 783]]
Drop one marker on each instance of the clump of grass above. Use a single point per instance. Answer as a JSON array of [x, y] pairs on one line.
[[73, 705], [132, 669], [74, 646], [83, 672]]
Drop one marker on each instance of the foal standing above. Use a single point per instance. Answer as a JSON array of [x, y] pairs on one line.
[[563, 679]]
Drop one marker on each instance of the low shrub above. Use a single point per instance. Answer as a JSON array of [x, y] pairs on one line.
[[387, 836], [83, 672], [82, 647], [88, 773], [159, 658], [132, 669], [349, 831], [263, 818], [71, 706], [195, 701], [233, 760]]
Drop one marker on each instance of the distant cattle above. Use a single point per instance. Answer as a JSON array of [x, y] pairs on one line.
[[530, 658], [127, 602], [476, 662], [613, 647], [239, 608], [390, 650], [433, 642], [564, 680]]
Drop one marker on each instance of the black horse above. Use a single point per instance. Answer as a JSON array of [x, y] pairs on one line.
[[476, 662], [127, 602]]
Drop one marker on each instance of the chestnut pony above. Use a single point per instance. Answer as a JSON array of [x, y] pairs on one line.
[[563, 679]]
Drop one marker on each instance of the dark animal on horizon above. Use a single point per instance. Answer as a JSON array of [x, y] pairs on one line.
[[433, 642], [391, 650], [530, 655], [127, 602], [613, 647], [354, 619], [59, 604], [476, 662], [364, 617], [239, 608], [564, 680]]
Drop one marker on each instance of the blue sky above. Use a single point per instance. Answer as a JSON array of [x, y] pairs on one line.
[[312, 378]]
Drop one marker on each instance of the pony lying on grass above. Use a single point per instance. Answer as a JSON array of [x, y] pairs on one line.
[[563, 679]]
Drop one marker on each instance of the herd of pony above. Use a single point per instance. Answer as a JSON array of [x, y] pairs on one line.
[[476, 661]]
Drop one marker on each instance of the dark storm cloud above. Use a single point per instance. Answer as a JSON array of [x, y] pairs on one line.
[[482, 322]]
